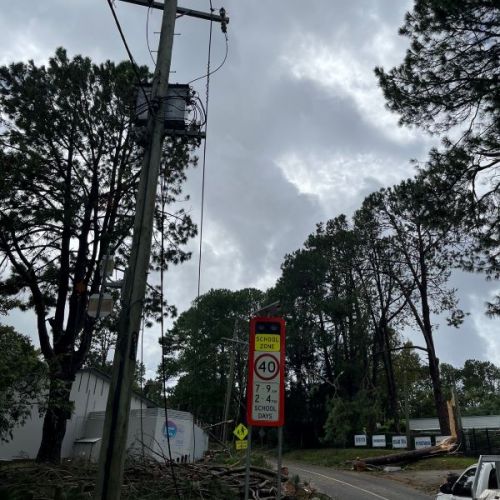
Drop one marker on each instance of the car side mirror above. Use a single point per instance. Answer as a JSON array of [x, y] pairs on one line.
[[445, 488]]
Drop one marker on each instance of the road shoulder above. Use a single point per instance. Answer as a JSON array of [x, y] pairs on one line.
[[427, 481], [349, 485]]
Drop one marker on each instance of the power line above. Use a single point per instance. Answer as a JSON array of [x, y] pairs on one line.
[[209, 73], [118, 25], [203, 185], [129, 53], [147, 35], [162, 326], [207, 93]]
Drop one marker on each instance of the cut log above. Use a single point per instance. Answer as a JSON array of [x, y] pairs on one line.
[[443, 448]]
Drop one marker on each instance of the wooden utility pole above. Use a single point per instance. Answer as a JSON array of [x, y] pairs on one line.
[[113, 447], [112, 456]]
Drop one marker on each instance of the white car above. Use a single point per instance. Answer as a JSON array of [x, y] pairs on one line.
[[468, 485], [458, 488]]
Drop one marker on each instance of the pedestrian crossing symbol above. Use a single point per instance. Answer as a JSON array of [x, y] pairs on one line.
[[241, 432]]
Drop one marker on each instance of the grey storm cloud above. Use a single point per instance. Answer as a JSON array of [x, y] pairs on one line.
[[298, 132]]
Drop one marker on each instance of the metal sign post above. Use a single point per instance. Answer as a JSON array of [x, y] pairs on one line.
[[280, 453], [247, 464], [266, 379]]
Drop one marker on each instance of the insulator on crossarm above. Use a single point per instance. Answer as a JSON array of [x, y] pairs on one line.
[[223, 24]]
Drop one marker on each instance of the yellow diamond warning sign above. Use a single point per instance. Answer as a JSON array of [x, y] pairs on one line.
[[267, 342], [241, 445], [241, 432]]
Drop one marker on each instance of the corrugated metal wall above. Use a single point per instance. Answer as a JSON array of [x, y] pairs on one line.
[[472, 422]]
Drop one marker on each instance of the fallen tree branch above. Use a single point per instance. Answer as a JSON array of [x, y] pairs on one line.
[[447, 446]]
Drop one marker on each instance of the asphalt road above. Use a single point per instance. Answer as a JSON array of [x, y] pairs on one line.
[[346, 485]]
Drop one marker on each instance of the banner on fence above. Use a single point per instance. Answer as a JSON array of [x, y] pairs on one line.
[[422, 442], [378, 441], [399, 442], [360, 440]]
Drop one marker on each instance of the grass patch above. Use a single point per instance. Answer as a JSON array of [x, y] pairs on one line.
[[448, 462], [339, 458], [333, 457]]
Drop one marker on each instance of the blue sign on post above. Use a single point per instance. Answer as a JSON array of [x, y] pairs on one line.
[[170, 429]]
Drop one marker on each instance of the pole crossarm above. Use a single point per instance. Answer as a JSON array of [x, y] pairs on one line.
[[183, 11]]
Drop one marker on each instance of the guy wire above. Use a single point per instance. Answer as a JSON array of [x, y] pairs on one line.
[[207, 92], [203, 189]]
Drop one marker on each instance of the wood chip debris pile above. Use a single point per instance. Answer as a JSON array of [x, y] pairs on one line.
[[145, 480]]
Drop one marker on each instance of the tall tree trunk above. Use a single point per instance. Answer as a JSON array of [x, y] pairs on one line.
[[324, 347], [58, 412], [389, 373], [441, 407], [423, 319], [377, 351]]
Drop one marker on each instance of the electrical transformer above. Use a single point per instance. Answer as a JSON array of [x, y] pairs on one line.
[[175, 107]]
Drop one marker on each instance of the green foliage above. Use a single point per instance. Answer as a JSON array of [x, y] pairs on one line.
[[102, 344], [414, 382], [69, 178], [328, 326], [477, 385], [347, 417], [22, 380], [153, 390], [478, 388], [197, 352], [449, 80], [450, 72], [423, 253], [346, 294], [70, 166]]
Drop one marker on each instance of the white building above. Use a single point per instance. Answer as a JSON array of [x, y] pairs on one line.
[[147, 429], [471, 422]]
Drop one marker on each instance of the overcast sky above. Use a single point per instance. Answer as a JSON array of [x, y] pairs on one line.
[[298, 132]]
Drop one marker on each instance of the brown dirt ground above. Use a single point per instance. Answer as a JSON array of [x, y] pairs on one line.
[[427, 481]]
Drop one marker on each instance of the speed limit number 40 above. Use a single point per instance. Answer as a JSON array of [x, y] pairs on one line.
[[266, 367], [265, 405]]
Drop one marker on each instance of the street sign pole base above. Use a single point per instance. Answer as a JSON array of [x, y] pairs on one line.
[[280, 457], [247, 465]]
